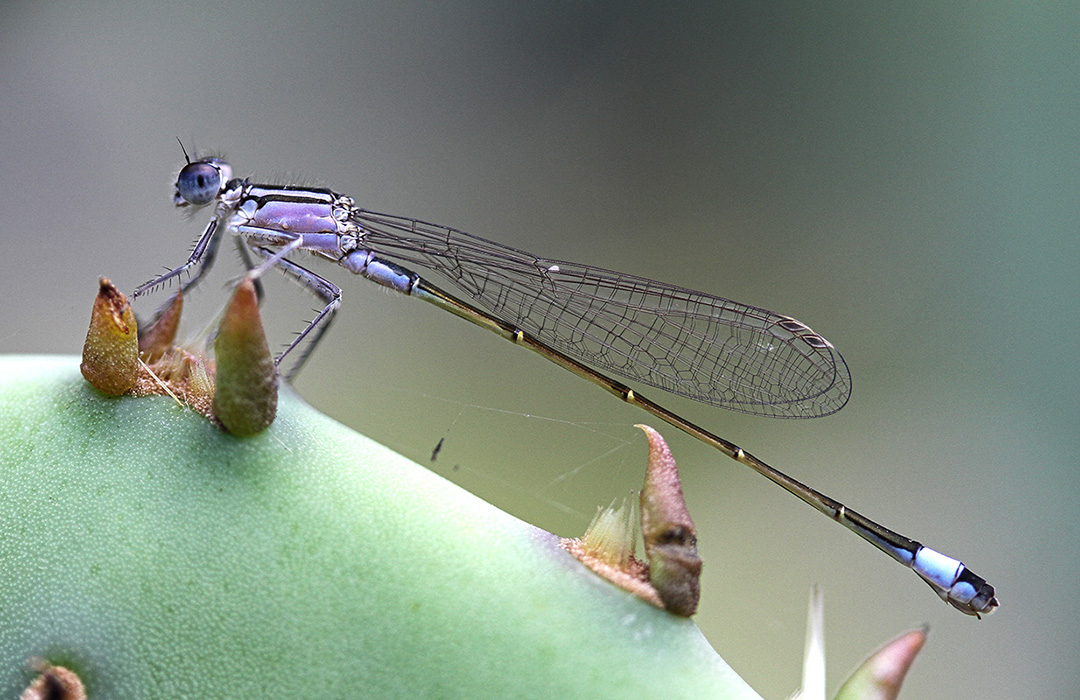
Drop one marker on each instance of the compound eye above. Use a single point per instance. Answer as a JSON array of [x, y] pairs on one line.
[[198, 183]]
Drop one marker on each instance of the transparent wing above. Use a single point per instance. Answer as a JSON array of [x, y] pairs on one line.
[[690, 343]]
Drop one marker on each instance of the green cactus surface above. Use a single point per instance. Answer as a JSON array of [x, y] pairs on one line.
[[159, 557]]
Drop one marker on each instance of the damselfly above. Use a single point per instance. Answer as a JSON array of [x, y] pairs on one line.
[[592, 321]]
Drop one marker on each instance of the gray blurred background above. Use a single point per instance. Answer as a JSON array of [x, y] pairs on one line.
[[901, 178]]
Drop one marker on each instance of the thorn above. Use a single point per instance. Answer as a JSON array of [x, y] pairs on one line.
[[668, 531], [881, 675], [246, 397], [110, 358], [160, 335], [53, 683]]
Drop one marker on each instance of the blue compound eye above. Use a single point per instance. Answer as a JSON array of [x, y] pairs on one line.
[[198, 184]]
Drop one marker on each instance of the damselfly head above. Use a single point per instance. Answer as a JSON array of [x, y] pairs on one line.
[[200, 182]]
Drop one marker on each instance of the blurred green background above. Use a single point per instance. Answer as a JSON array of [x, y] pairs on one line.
[[903, 178]]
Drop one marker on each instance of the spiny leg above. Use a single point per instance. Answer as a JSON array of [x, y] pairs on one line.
[[324, 289], [202, 254], [249, 265]]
